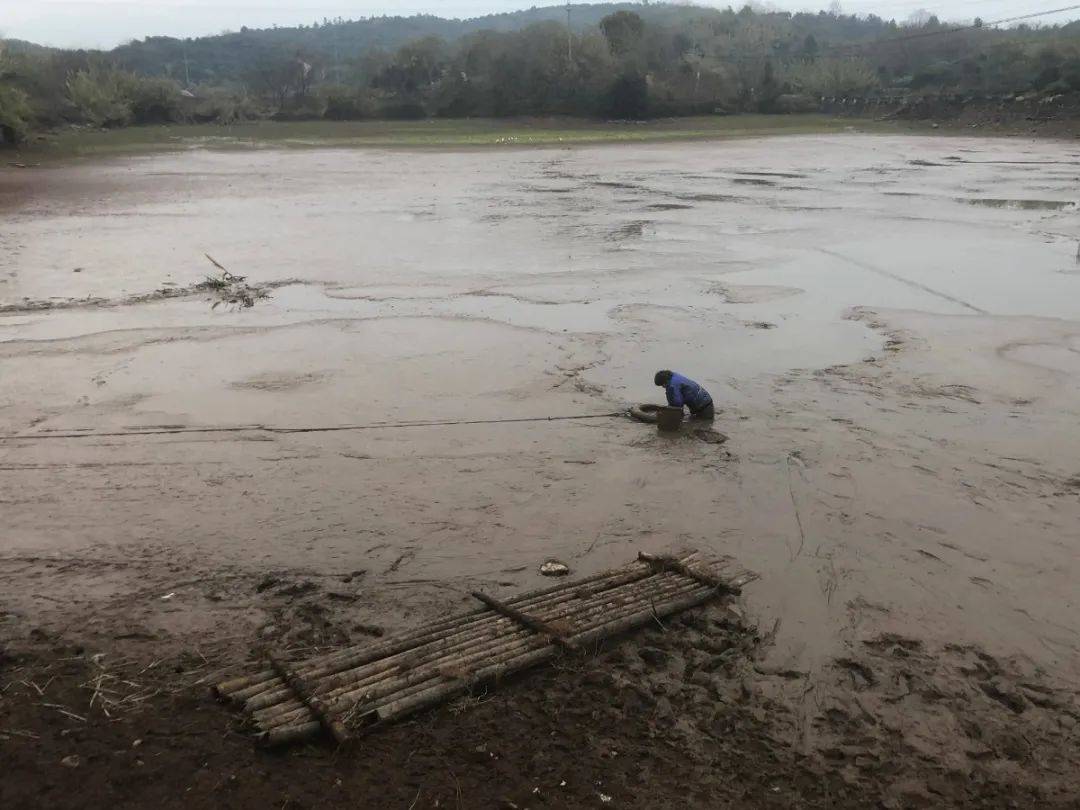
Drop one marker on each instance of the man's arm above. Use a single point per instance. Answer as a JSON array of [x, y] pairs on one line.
[[674, 396]]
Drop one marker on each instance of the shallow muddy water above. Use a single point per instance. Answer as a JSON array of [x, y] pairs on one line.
[[888, 324]]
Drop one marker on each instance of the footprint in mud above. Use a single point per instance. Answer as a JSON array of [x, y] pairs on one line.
[[862, 676], [1022, 205], [965, 712], [402, 559], [278, 382], [631, 230], [668, 207], [752, 293]]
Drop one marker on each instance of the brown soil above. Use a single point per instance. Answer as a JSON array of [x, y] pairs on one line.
[[682, 715]]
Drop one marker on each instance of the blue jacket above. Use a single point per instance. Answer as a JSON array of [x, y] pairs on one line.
[[684, 391]]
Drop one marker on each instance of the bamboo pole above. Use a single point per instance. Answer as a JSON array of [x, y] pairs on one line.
[[314, 705], [607, 579], [666, 563], [241, 696], [654, 585], [457, 639], [658, 588], [476, 624], [347, 700], [427, 668], [634, 620], [227, 688], [387, 692], [269, 698], [409, 658], [401, 707], [537, 626], [566, 588], [299, 712], [437, 694], [289, 734], [360, 701], [242, 688], [341, 684]]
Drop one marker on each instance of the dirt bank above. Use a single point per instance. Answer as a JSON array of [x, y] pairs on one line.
[[682, 715]]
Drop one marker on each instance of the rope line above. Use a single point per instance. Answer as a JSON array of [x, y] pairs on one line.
[[316, 429]]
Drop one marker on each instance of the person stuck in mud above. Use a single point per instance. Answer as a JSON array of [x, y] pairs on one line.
[[682, 391]]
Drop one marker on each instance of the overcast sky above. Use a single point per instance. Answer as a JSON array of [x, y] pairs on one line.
[[105, 23]]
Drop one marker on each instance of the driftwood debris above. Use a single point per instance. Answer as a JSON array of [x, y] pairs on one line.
[[357, 689]]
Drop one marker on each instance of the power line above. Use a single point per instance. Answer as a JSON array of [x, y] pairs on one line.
[[956, 29], [1034, 14]]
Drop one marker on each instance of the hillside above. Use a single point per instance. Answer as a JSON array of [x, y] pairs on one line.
[[619, 60], [226, 56]]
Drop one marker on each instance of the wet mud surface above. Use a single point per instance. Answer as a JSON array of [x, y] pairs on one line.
[[890, 328]]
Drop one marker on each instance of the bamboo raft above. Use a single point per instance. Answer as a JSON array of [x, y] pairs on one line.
[[356, 690]]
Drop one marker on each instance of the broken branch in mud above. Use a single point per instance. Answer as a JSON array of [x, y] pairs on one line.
[[231, 289]]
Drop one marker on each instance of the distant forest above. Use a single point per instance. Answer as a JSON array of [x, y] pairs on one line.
[[613, 60]]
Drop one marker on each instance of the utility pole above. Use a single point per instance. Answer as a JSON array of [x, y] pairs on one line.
[[187, 73], [569, 36]]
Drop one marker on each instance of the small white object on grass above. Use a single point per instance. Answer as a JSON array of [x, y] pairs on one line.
[[168, 596]]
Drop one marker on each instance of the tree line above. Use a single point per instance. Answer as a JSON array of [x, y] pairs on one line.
[[623, 61]]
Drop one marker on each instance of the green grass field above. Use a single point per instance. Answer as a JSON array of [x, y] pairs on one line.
[[441, 133]]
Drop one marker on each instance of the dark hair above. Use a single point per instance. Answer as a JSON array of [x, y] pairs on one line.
[[662, 377]]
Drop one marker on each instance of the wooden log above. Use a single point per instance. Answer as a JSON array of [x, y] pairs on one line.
[[586, 609], [409, 658], [439, 693], [619, 576], [360, 700], [290, 734], [655, 589], [261, 701], [242, 688], [349, 697], [401, 705], [363, 654], [674, 564], [227, 688], [303, 691], [635, 592], [271, 713], [302, 714], [524, 619], [386, 680], [625, 623], [437, 643], [568, 589], [479, 615], [243, 695], [370, 657]]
